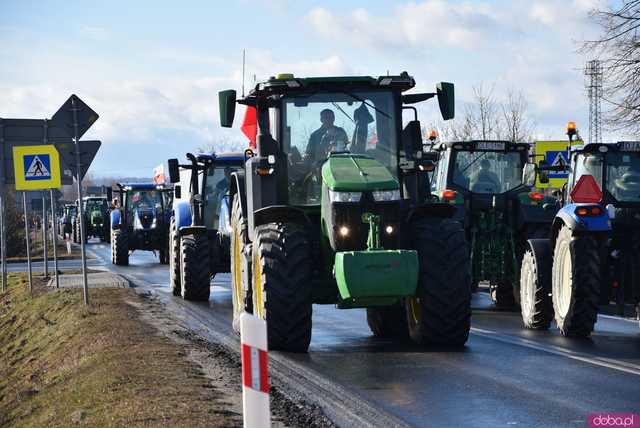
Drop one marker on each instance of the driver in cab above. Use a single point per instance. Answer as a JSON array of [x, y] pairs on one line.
[[484, 177], [326, 138]]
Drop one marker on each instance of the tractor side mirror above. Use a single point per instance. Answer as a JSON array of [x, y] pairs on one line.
[[177, 191], [446, 100], [529, 175], [227, 105], [174, 170], [543, 177]]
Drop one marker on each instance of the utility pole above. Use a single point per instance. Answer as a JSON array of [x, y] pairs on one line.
[[593, 71]]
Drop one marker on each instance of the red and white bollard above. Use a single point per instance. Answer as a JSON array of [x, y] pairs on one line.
[[255, 373]]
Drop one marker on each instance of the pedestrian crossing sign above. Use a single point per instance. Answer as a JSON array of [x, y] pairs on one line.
[[555, 153], [36, 167]]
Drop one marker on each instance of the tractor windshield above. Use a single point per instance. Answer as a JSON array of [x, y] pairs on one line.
[[216, 188], [96, 205], [324, 122], [487, 172], [623, 176], [143, 200]]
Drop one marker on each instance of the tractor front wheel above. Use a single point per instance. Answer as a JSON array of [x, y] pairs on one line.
[[239, 299], [195, 277], [281, 285], [535, 286], [174, 259], [440, 312], [576, 282], [120, 247]]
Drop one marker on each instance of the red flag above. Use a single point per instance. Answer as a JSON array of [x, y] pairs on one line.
[[250, 125]]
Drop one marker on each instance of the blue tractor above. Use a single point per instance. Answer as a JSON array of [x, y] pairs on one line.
[[199, 234], [592, 256], [141, 222]]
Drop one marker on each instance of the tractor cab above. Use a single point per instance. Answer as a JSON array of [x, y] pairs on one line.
[[491, 185]]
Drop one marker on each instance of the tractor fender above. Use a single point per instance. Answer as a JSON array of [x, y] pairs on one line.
[[115, 218], [433, 209], [182, 214], [192, 230], [569, 218], [281, 214]]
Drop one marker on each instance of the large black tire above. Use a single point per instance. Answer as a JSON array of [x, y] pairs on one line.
[[174, 259], [163, 256], [533, 231], [195, 277], [74, 234], [388, 321], [441, 311], [281, 286], [575, 295], [241, 299], [120, 247], [535, 286]]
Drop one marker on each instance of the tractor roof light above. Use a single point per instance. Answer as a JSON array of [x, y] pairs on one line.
[[571, 128], [284, 76], [433, 135]]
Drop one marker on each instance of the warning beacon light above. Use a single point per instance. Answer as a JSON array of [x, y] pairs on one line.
[[571, 130]]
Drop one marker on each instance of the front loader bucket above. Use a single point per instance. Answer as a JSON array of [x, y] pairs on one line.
[[376, 276]]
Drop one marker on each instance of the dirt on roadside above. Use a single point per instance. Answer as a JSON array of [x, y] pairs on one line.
[[62, 364]]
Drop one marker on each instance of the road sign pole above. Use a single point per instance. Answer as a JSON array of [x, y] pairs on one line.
[[26, 237], [44, 237], [3, 207], [2, 246], [54, 233], [76, 139]]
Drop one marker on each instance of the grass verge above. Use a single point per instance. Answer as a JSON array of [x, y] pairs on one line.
[[64, 364]]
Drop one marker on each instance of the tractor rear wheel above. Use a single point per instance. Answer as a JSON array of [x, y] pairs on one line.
[[120, 247], [239, 239], [281, 285], [576, 282], [441, 310], [535, 286], [174, 259], [388, 321], [195, 277]]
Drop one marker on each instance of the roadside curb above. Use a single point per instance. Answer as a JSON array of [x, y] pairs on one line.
[[95, 280]]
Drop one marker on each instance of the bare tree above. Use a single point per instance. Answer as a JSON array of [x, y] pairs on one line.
[[516, 125], [618, 48]]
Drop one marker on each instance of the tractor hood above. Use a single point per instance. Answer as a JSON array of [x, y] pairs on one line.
[[356, 173]]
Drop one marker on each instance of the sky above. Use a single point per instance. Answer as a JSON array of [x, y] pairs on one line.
[[153, 69]]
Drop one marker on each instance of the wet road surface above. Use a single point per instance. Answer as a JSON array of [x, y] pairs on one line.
[[504, 376]]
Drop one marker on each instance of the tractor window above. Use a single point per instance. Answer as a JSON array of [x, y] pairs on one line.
[[589, 164], [217, 189], [623, 176], [143, 200], [318, 124], [487, 172]]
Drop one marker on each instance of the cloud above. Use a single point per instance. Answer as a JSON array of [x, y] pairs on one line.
[[411, 25]]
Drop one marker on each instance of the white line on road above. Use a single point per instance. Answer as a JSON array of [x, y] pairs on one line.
[[622, 366]]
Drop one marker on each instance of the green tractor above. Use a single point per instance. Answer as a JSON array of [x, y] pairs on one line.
[[491, 184], [341, 214], [96, 219]]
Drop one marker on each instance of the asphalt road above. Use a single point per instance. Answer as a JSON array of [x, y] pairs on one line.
[[505, 376]]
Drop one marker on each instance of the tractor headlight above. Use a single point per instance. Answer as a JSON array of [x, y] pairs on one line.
[[336, 196], [386, 195]]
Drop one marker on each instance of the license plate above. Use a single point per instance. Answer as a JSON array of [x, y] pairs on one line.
[[629, 146], [490, 145]]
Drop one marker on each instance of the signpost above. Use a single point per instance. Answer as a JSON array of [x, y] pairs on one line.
[[45, 154], [554, 153]]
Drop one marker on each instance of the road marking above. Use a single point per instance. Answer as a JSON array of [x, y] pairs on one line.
[[622, 366], [617, 317]]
